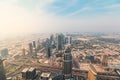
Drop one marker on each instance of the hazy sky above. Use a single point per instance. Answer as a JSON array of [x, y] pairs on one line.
[[32, 16]]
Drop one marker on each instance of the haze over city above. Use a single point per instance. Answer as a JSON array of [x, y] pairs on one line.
[[59, 39], [36, 16]]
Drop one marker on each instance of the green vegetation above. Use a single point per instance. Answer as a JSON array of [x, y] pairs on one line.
[[12, 68]]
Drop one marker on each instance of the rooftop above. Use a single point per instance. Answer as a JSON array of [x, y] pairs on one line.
[[99, 68], [84, 66], [46, 75], [25, 70], [31, 69]]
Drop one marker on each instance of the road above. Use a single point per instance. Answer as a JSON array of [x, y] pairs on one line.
[[38, 67], [75, 61], [44, 68]]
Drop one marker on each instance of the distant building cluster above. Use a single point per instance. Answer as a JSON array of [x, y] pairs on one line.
[[4, 53], [63, 57]]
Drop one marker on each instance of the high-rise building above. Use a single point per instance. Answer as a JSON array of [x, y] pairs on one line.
[[28, 73], [66, 40], [51, 39], [96, 73], [48, 51], [48, 48], [31, 73], [34, 44], [38, 45], [4, 52], [70, 40], [67, 64], [30, 48], [2, 72], [59, 42], [25, 73], [47, 41]]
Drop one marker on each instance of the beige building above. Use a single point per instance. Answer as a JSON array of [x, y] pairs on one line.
[[94, 74]]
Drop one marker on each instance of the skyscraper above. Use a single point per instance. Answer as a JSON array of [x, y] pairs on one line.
[[38, 45], [70, 40], [51, 39], [48, 51], [2, 72], [59, 42], [67, 64], [34, 44], [30, 48], [66, 40], [34, 47]]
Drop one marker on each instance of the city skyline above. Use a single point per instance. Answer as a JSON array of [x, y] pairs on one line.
[[37, 16]]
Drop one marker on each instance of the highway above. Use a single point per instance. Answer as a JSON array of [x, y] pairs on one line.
[[38, 67], [44, 68], [75, 61]]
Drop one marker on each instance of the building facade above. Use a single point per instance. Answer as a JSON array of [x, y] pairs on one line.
[[67, 64], [2, 72]]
